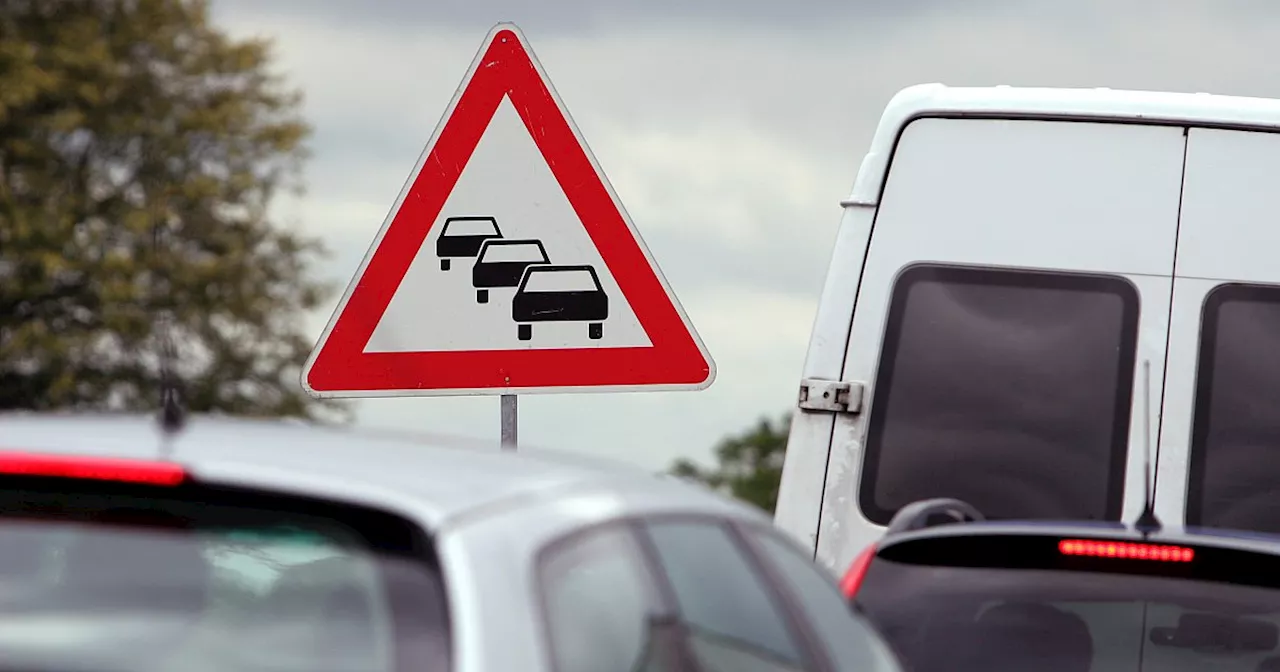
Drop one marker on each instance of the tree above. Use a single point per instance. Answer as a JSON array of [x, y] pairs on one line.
[[749, 464], [140, 148]]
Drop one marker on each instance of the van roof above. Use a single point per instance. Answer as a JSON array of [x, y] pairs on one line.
[[441, 477], [1145, 107]]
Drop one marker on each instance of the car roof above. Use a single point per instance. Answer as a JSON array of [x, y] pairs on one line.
[[1173, 535], [1100, 104], [439, 477]]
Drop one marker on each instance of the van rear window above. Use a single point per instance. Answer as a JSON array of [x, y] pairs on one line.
[[109, 576], [1007, 389], [1235, 442]]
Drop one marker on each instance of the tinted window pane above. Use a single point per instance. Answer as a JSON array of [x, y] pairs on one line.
[[1235, 445], [850, 643], [119, 577], [1007, 389], [719, 594], [599, 599]]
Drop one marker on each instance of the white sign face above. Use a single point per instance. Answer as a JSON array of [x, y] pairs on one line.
[[507, 264], [469, 306]]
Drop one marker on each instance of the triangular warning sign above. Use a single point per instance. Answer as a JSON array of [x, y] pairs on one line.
[[507, 264]]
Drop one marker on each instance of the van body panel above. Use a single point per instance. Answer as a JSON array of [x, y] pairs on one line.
[[1230, 206], [1222, 402], [1179, 396], [1098, 104], [843, 530], [809, 442], [804, 475], [978, 193]]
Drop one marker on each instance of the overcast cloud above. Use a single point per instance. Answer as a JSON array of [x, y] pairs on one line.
[[730, 130], [584, 16]]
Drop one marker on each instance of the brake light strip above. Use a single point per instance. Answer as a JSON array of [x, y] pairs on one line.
[[92, 468], [1124, 550]]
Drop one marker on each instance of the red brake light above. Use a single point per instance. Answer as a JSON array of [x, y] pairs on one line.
[[1125, 550], [95, 468], [857, 572]]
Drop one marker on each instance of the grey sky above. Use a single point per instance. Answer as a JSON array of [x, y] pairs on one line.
[[729, 134], [563, 16]]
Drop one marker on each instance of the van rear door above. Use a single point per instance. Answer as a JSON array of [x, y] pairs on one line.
[[1220, 438], [1017, 275]]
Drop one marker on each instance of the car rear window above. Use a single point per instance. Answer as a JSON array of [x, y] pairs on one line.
[[106, 576], [469, 226], [1008, 389], [1234, 462], [569, 280], [511, 252], [948, 612]]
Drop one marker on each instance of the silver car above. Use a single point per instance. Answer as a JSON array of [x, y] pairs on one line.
[[275, 545]]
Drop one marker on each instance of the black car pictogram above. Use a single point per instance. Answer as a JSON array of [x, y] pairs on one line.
[[462, 237], [501, 263], [560, 294]]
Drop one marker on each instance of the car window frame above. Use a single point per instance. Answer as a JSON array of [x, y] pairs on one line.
[[810, 647], [908, 276], [1204, 385], [663, 597], [365, 525], [762, 531], [794, 602], [543, 269], [510, 242]]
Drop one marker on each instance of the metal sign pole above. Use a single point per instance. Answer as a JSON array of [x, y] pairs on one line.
[[508, 422]]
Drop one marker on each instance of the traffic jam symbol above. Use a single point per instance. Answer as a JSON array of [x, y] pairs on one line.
[[556, 294], [463, 237], [501, 263], [507, 265]]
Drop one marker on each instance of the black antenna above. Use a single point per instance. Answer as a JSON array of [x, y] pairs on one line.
[[1147, 522], [172, 411]]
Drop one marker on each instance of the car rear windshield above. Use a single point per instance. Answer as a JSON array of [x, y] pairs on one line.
[[106, 577], [512, 252], [1008, 389], [570, 280], [1235, 462], [470, 226], [1054, 617]]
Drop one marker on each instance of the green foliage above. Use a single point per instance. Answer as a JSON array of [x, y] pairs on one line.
[[119, 118], [749, 465]]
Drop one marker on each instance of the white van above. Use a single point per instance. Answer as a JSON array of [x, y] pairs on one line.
[[1010, 265]]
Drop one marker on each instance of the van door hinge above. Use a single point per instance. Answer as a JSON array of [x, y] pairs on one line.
[[834, 396]]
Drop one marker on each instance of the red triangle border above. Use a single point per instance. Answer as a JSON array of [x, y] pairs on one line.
[[677, 360]]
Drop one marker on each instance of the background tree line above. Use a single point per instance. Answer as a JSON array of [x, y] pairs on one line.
[[140, 149], [748, 465]]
